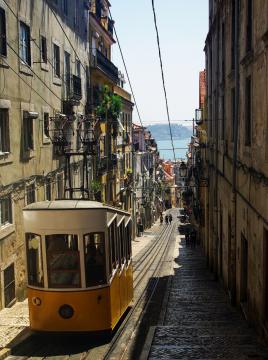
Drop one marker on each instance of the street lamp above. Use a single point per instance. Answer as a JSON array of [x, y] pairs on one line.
[[183, 169], [198, 116]]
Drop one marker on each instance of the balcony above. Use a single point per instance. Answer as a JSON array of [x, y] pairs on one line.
[[105, 65], [73, 89]]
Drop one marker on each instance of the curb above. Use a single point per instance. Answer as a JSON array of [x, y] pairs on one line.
[[5, 352], [15, 343]]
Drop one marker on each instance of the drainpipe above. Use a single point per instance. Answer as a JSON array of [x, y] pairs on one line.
[[235, 150]]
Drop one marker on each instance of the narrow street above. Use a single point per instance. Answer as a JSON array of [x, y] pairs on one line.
[[199, 322]]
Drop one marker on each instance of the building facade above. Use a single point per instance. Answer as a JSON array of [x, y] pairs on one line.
[[236, 155], [43, 62]]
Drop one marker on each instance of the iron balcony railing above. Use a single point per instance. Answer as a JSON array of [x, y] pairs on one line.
[[73, 87], [101, 62]]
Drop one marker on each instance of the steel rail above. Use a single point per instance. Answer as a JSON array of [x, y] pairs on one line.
[[150, 288]]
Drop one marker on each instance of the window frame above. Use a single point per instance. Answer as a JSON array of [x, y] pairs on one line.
[[41, 258], [5, 286], [51, 285], [3, 47], [4, 132], [30, 189], [56, 61], [46, 138], [28, 132], [106, 275], [8, 211], [25, 43], [43, 49]]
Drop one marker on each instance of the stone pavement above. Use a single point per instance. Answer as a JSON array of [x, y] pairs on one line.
[[198, 322]]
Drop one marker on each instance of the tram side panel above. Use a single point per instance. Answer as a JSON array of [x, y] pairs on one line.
[[91, 310]]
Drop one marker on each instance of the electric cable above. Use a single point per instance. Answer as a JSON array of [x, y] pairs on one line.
[[123, 59], [163, 78], [34, 41]]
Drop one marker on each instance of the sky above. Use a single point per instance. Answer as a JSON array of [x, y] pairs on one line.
[[183, 26]]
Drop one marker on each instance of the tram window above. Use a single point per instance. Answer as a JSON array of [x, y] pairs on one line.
[[63, 261], [95, 259], [128, 240], [121, 242], [112, 241], [34, 260]]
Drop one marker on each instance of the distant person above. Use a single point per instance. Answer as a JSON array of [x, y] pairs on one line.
[[170, 218], [161, 219], [166, 219]]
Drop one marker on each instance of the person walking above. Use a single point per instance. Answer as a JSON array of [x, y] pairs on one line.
[[170, 218], [161, 219], [166, 219]]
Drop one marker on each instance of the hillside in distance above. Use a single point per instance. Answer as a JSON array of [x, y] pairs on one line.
[[161, 131]]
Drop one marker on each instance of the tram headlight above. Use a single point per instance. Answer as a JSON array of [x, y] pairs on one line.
[[66, 311]]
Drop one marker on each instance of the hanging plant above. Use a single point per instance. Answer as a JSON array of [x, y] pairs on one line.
[[95, 186], [110, 105]]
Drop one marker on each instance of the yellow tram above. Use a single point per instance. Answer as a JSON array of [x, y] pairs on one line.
[[79, 265]]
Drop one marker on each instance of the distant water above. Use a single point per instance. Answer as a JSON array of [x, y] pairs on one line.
[[166, 152]]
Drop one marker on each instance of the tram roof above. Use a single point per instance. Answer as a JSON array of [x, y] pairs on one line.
[[71, 205]]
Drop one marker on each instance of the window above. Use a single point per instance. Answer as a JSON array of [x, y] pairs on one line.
[[3, 39], [112, 240], [121, 242], [60, 189], [65, 7], [9, 285], [63, 261], [30, 193], [25, 44], [34, 260], [233, 114], [248, 109], [46, 125], [43, 49], [56, 60], [78, 68], [28, 132], [48, 189], [5, 210], [249, 25], [128, 240], [95, 264], [67, 71], [4, 131]]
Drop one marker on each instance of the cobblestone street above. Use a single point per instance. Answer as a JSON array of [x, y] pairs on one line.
[[199, 322]]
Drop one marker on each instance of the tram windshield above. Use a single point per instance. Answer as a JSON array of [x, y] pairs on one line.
[[34, 260], [63, 261], [95, 263]]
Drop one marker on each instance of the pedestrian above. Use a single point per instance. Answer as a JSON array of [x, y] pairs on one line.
[[166, 219], [161, 219], [170, 218]]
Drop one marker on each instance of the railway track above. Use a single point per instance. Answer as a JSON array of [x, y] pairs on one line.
[[144, 298], [63, 347]]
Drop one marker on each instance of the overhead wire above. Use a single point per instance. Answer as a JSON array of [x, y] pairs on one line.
[[35, 42], [163, 77], [124, 63]]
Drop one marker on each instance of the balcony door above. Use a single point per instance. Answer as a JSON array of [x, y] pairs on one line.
[[67, 73]]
